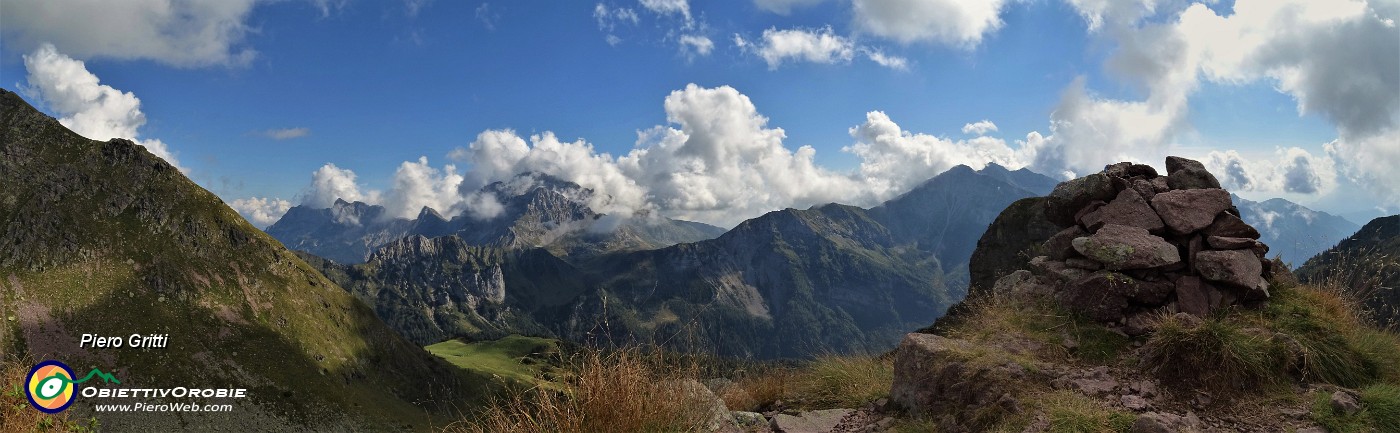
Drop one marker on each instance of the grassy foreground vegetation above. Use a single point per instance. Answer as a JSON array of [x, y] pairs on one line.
[[618, 391], [1304, 341], [648, 390], [1305, 335]]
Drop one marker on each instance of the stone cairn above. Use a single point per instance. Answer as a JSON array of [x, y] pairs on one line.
[[1136, 244]]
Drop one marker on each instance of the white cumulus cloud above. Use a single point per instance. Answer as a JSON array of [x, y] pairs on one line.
[[886, 60], [1293, 170], [1113, 13], [895, 160], [697, 44], [979, 128], [330, 183], [1334, 57], [85, 105], [1371, 161], [415, 185], [668, 7], [816, 46], [498, 155], [418, 185], [261, 211], [958, 23], [720, 162], [176, 32]]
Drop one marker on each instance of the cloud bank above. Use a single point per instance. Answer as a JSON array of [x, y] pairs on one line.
[[1329, 55], [717, 160], [177, 33]]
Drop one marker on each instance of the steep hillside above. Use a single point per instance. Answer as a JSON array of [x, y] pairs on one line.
[[1367, 265], [534, 211], [104, 238]]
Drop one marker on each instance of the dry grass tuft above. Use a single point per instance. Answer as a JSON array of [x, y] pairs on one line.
[[845, 381], [628, 390], [758, 391], [1362, 278]]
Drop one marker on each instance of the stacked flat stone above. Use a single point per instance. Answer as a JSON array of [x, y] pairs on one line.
[[1135, 243]]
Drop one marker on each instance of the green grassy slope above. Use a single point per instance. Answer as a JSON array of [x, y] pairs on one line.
[[515, 358], [106, 238]]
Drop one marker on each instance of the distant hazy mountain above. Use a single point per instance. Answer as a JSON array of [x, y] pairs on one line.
[[1293, 232], [1366, 263], [947, 214], [790, 283], [106, 238], [536, 211]]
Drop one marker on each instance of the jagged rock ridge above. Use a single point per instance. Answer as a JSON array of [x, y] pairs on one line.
[[535, 211]]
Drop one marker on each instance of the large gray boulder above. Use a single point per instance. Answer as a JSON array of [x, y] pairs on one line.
[[817, 421], [1188, 210], [1128, 209], [1107, 295], [1072, 195], [1184, 173], [931, 378], [1240, 268], [1231, 226], [1061, 245], [1123, 247], [1194, 296], [718, 418]]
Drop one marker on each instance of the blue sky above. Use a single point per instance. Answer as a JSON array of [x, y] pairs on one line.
[[371, 87]]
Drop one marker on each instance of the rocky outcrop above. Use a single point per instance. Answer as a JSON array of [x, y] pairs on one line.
[[1130, 244], [1010, 239], [952, 381]]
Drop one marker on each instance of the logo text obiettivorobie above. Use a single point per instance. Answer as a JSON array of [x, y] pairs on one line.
[[52, 386]]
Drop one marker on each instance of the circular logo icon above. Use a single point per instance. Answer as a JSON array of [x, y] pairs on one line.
[[50, 386]]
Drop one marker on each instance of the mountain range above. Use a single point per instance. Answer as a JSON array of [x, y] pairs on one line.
[[1294, 233], [789, 283]]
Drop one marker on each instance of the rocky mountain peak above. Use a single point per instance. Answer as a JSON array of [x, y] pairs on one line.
[[429, 214]]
